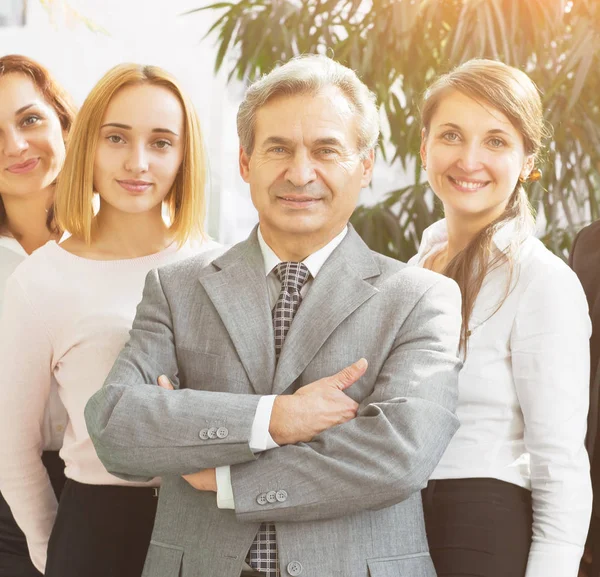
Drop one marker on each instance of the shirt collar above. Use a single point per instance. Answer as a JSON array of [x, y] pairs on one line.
[[437, 234], [313, 262]]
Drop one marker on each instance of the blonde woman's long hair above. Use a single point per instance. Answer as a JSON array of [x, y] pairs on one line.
[[75, 188], [513, 93]]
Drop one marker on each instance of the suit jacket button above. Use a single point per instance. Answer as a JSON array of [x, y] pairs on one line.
[[212, 433], [262, 499], [281, 495], [271, 497], [294, 568], [222, 432], [203, 434]]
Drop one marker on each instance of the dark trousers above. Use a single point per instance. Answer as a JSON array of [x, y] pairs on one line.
[[101, 531], [14, 555], [478, 527], [593, 544]]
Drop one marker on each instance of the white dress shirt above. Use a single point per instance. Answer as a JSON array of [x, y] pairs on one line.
[[260, 439], [524, 394]]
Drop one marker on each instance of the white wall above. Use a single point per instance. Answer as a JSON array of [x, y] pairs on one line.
[[156, 32]]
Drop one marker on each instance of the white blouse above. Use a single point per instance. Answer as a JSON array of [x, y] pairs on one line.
[[55, 419], [524, 395]]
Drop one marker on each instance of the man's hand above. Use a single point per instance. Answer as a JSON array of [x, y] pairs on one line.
[[205, 480], [315, 407], [164, 383], [299, 417]]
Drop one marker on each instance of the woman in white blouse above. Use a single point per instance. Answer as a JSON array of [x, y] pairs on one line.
[[35, 117], [69, 308], [511, 497]]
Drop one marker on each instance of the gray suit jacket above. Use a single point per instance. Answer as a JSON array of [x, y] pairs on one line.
[[348, 502]]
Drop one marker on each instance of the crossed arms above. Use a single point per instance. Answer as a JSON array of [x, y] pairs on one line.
[[381, 451]]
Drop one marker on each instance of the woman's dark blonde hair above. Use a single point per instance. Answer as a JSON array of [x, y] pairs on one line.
[[75, 189], [513, 93], [53, 94]]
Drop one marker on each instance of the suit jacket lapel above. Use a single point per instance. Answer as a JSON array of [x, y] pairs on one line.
[[238, 290], [339, 289]]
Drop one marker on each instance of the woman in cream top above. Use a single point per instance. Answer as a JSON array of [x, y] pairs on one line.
[[511, 495], [137, 144]]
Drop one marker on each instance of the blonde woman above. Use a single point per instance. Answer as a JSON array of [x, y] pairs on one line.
[[69, 308], [36, 115], [511, 495]]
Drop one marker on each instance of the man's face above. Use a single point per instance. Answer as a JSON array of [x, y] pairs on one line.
[[305, 172]]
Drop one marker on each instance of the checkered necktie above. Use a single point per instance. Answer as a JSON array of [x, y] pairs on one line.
[[263, 553], [292, 275]]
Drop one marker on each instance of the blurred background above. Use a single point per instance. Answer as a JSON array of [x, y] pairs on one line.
[[396, 46]]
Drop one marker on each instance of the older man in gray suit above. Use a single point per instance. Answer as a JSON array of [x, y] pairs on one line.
[[269, 466]]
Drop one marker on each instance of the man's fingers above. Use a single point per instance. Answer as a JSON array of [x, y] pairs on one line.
[[165, 383], [350, 375], [205, 480]]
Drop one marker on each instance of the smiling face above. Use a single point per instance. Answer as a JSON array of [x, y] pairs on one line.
[[305, 172], [140, 148], [32, 148], [474, 157]]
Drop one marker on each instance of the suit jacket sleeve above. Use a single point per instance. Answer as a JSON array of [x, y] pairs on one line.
[[583, 259], [390, 449], [136, 425]]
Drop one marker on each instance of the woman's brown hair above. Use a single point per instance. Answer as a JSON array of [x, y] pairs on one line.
[[513, 93], [53, 94]]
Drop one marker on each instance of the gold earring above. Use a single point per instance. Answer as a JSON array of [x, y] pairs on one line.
[[533, 176]]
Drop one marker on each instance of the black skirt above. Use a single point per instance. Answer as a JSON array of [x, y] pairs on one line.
[[101, 531], [14, 555], [478, 527]]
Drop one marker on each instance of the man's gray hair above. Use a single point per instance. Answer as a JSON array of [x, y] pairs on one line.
[[308, 74]]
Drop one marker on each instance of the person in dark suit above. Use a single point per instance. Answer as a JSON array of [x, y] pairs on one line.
[[585, 261]]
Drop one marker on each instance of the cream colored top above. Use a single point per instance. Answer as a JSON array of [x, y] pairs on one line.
[[65, 317]]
